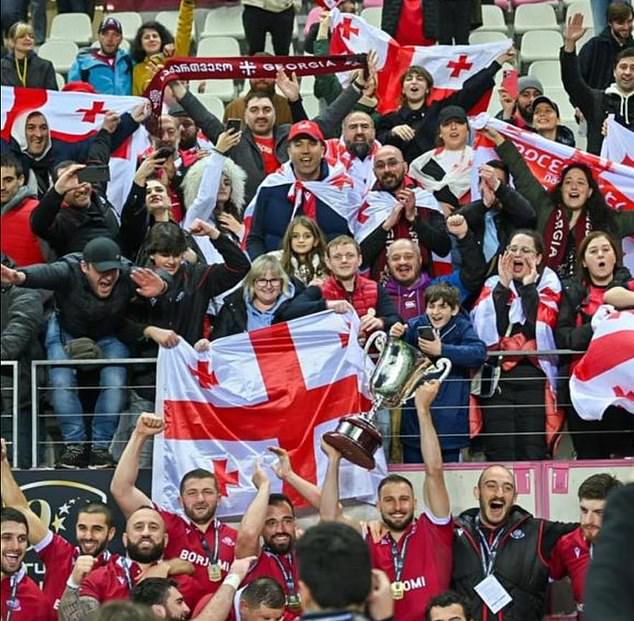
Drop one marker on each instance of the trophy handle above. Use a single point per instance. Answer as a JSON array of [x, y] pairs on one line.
[[381, 339], [442, 365]]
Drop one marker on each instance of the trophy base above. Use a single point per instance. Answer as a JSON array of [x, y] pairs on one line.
[[357, 439]]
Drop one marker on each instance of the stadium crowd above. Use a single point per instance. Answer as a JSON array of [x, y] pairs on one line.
[[266, 215]]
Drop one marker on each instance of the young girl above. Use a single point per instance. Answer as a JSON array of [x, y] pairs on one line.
[[303, 251]]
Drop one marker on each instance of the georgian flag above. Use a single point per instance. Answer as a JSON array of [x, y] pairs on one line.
[[618, 144], [280, 386], [74, 116], [547, 158], [450, 65], [605, 374]]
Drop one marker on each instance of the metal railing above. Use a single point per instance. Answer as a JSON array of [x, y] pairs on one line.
[[13, 365]]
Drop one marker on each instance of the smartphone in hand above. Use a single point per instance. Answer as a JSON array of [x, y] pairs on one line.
[[427, 333]]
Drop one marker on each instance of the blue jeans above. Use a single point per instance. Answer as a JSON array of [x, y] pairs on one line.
[[66, 403]]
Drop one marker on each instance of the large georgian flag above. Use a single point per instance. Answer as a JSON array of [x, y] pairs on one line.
[[450, 65], [618, 144], [605, 374], [74, 116], [547, 158], [280, 386]]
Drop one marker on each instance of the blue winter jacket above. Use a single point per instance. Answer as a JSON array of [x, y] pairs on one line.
[[107, 80], [461, 345]]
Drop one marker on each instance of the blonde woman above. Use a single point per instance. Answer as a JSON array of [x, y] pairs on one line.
[[22, 66]]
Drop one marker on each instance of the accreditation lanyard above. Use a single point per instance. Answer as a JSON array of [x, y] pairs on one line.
[[488, 552], [127, 573], [286, 573], [398, 558], [212, 556], [13, 581]]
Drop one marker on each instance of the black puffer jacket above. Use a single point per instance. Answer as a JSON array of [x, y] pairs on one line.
[[392, 14], [596, 58], [40, 73]]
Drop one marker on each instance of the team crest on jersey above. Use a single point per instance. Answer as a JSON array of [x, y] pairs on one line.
[[518, 534], [577, 552], [228, 541]]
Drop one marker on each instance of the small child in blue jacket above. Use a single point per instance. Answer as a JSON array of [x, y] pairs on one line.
[[444, 331]]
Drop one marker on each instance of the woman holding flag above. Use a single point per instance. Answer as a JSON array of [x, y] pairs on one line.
[[517, 311], [568, 212]]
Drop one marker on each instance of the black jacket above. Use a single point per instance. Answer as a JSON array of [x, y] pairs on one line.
[[81, 312], [232, 318], [596, 59], [40, 73], [595, 104], [425, 120], [392, 13], [521, 562], [515, 213]]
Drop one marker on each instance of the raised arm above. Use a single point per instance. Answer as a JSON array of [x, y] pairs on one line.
[[248, 542], [13, 496], [435, 493], [284, 471], [123, 484]]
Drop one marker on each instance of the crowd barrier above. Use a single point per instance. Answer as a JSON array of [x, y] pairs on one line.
[[43, 450]]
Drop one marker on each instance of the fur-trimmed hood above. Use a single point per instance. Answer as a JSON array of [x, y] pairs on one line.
[[237, 175]]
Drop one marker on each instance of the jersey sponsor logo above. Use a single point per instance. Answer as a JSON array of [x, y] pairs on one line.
[[518, 534], [412, 584], [200, 559]]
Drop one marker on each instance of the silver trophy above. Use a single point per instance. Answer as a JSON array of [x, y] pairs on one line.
[[397, 374]]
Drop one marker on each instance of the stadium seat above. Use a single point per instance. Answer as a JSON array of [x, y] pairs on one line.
[[307, 85], [224, 22], [587, 35], [61, 53], [268, 46], [130, 22], [218, 46], [492, 19], [371, 3], [485, 36], [535, 17], [223, 89], [548, 72], [169, 19], [311, 105], [212, 103], [584, 7], [372, 15], [60, 81], [74, 27], [540, 45]]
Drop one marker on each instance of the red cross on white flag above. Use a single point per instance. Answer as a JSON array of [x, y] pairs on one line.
[[280, 386], [450, 65]]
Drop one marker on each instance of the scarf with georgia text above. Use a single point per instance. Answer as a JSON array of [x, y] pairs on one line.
[[556, 235]]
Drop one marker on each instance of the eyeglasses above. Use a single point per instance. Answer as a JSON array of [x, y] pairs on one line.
[[520, 250], [268, 282]]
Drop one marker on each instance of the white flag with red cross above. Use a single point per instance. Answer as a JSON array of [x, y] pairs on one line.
[[282, 386], [618, 144], [605, 374], [449, 65], [74, 116]]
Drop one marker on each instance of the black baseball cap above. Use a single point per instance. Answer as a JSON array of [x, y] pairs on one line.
[[452, 113], [103, 253], [110, 23], [546, 100]]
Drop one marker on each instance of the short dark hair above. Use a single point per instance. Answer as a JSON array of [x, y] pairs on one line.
[[393, 478], [334, 562], [257, 95], [443, 291], [619, 12], [598, 486], [152, 591], [264, 592], [628, 52], [11, 514], [8, 160], [538, 240], [277, 499], [62, 166], [443, 600], [197, 473], [168, 238], [95, 508], [500, 165]]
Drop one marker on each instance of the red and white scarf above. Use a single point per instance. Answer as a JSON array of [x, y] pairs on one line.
[[361, 171], [549, 291], [336, 191]]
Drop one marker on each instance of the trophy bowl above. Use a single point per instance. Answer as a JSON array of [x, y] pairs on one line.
[[397, 373]]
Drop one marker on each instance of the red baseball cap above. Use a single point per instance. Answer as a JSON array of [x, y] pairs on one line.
[[306, 128]]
